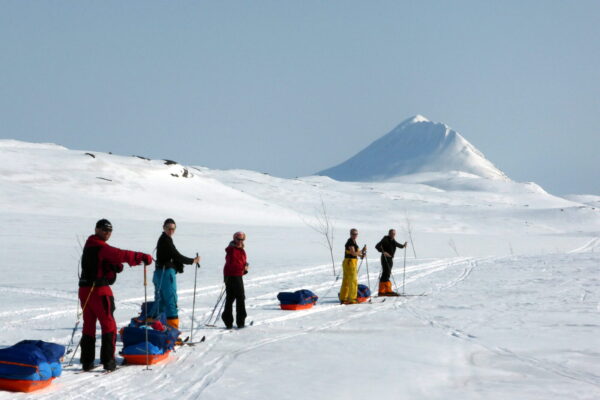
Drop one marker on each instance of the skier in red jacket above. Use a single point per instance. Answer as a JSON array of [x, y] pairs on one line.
[[100, 264], [236, 266]]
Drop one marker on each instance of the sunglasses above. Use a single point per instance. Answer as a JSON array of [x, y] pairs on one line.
[[106, 230], [241, 240]]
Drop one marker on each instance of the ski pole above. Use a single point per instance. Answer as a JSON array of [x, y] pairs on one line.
[[194, 302], [221, 309], [146, 316], [360, 265], [334, 281], [395, 284], [216, 305], [391, 274], [404, 272], [77, 324], [368, 277]]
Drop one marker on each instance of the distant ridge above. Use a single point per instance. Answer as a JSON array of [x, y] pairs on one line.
[[416, 145]]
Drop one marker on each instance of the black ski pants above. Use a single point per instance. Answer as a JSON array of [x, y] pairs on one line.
[[386, 268], [234, 291]]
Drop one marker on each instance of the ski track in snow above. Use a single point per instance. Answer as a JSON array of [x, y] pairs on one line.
[[265, 299], [94, 385], [210, 362], [39, 292], [544, 365]]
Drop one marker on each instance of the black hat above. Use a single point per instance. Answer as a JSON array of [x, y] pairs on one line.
[[169, 221], [104, 224]]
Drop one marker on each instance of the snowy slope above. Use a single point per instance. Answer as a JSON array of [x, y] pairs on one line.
[[590, 200], [416, 145], [510, 273]]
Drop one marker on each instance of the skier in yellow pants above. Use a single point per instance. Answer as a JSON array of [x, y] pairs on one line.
[[349, 288]]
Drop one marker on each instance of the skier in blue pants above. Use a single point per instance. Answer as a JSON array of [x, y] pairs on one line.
[[168, 262]]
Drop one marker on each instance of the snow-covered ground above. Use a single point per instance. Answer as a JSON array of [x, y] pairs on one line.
[[511, 275]]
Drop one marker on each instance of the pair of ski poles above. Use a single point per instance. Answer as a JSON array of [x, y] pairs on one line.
[[220, 301], [79, 315]]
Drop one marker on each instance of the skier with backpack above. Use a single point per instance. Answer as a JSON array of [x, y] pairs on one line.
[[387, 247], [100, 264], [169, 262]]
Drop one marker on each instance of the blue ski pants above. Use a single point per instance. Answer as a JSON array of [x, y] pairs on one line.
[[165, 292]]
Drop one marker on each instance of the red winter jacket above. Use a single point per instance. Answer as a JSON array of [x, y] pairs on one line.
[[235, 261], [100, 262]]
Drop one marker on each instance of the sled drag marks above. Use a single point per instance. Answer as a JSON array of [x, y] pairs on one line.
[[190, 371], [218, 366], [215, 368]]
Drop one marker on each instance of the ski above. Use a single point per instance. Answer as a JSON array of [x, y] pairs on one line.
[[403, 295], [372, 302], [194, 343], [182, 342], [106, 372], [92, 370], [211, 326]]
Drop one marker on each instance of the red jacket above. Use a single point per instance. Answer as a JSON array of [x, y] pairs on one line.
[[235, 261], [100, 262]]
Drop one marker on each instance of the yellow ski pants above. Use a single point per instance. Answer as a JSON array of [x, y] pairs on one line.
[[349, 288]]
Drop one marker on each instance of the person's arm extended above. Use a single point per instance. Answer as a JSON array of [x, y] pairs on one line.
[[117, 256]]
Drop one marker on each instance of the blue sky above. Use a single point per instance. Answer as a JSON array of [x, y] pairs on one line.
[[294, 87]]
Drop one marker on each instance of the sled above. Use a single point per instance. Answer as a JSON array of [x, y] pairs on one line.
[[22, 385], [294, 307], [142, 359], [144, 344], [299, 300], [30, 365]]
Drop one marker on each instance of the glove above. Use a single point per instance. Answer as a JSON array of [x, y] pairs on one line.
[[143, 258], [147, 259]]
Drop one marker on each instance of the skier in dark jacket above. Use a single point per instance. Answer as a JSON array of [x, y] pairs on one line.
[[236, 266], [387, 247], [100, 264], [169, 261]]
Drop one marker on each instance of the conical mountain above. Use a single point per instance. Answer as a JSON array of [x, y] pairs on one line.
[[416, 145]]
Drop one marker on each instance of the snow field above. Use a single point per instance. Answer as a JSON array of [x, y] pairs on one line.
[[510, 273]]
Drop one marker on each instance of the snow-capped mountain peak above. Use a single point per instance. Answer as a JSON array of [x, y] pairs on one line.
[[416, 145], [415, 119]]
